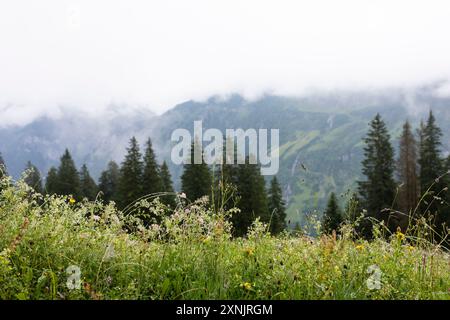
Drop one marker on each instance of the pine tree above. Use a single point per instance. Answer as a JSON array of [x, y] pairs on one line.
[[33, 178], [151, 179], [166, 179], [51, 182], [68, 178], [130, 181], [276, 207], [407, 175], [332, 217], [252, 196], [196, 178], [431, 168], [108, 182], [378, 190], [88, 187]]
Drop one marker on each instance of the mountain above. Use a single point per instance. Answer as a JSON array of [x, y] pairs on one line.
[[320, 135]]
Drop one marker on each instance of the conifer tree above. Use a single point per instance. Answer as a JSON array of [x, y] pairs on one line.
[[68, 182], [277, 207], [130, 181], [108, 182], [431, 168], [378, 189], [166, 180], [151, 179], [407, 174], [332, 217], [252, 195], [88, 187], [196, 178], [51, 182], [33, 179]]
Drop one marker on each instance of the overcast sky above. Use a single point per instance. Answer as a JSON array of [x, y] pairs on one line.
[[87, 54]]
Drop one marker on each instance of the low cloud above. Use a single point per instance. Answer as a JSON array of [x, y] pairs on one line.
[[87, 55]]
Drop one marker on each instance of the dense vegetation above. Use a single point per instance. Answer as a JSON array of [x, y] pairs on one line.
[[131, 236], [55, 248]]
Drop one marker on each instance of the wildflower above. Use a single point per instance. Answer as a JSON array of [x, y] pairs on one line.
[[246, 285], [72, 200], [337, 270], [206, 240], [96, 218], [360, 247], [410, 248], [182, 195], [400, 236], [249, 251]]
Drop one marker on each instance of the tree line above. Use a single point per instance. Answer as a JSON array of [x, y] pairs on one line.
[[139, 175], [398, 191]]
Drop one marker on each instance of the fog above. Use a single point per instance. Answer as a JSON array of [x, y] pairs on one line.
[[83, 56]]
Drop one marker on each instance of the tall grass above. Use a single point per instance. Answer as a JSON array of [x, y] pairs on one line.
[[190, 254]]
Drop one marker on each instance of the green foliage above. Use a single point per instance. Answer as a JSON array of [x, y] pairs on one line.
[[108, 182], [88, 187], [378, 190], [252, 198], [277, 207], [332, 217], [68, 180], [130, 181], [167, 188], [433, 186], [191, 255], [33, 177], [151, 179], [51, 182], [196, 179]]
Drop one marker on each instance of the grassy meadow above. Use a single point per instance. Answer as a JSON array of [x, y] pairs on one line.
[[56, 248]]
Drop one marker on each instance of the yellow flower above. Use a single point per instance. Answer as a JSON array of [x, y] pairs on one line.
[[249, 251], [400, 236], [410, 248], [72, 200], [360, 247], [246, 285], [206, 240]]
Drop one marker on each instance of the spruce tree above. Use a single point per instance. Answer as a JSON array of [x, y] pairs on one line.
[[332, 217], [130, 181], [68, 178], [277, 207], [252, 196], [166, 180], [151, 179], [108, 182], [33, 178], [88, 187], [378, 189], [51, 182], [408, 178], [196, 178], [431, 168]]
